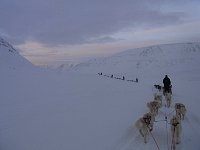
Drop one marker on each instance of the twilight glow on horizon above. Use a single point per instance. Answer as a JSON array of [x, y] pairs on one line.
[[58, 31]]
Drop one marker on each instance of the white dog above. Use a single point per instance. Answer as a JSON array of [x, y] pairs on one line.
[[168, 98], [180, 110], [153, 107], [158, 98], [145, 125], [175, 131]]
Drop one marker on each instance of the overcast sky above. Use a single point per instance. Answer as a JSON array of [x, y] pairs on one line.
[[53, 31]]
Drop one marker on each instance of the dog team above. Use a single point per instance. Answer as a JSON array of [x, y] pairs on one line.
[[119, 78], [146, 122]]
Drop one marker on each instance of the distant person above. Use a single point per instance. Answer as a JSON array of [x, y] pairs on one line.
[[123, 78], [167, 84], [111, 76], [136, 80]]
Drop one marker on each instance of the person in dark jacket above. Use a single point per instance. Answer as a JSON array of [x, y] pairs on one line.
[[167, 84], [123, 78]]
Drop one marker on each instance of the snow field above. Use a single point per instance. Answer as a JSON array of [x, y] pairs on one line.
[[79, 110]]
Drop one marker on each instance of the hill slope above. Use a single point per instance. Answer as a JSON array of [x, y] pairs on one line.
[[10, 58]]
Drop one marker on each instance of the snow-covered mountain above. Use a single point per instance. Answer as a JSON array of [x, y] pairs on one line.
[[64, 66], [10, 58], [79, 109], [154, 56]]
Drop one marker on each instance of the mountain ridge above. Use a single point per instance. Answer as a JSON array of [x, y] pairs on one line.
[[153, 56], [10, 57]]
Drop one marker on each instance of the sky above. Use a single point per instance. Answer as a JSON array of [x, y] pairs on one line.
[[62, 31]]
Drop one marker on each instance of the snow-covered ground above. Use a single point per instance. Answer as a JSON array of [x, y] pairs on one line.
[[80, 110]]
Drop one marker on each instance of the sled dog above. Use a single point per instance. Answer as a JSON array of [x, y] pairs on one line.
[[158, 98], [157, 86], [180, 110], [145, 125], [153, 107], [175, 131], [168, 98]]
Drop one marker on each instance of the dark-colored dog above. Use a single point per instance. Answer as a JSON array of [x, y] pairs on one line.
[[157, 86]]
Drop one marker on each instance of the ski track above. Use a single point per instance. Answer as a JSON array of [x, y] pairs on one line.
[[189, 136]]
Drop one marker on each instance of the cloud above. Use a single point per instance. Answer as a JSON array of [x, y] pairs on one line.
[[55, 22]]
